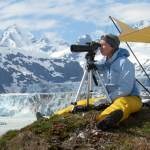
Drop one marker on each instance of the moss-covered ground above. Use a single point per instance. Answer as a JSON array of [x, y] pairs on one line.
[[78, 131]]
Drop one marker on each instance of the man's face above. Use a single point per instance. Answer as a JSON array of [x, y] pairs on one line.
[[106, 49]]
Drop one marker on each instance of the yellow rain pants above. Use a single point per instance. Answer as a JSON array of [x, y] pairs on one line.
[[128, 104], [80, 102]]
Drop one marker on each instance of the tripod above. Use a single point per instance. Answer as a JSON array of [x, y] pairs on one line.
[[90, 73]]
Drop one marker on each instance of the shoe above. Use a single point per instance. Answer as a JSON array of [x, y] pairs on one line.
[[110, 121], [39, 116]]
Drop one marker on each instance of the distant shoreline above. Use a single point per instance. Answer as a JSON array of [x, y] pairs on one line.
[[15, 123]]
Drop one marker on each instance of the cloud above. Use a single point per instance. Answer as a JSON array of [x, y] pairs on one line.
[[27, 16], [132, 12], [56, 15], [32, 25], [36, 10], [66, 20], [89, 11]]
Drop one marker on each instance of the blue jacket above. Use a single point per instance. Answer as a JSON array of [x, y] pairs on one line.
[[118, 74]]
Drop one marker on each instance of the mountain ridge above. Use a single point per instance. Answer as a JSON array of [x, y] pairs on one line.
[[40, 62]]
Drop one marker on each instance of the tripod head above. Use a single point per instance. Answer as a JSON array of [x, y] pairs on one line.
[[90, 62], [90, 56]]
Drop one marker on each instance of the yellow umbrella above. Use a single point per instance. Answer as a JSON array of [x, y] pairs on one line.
[[129, 34]]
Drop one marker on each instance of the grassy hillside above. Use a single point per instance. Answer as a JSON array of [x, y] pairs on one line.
[[78, 132]]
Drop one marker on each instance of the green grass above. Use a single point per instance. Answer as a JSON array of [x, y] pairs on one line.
[[62, 132], [8, 136]]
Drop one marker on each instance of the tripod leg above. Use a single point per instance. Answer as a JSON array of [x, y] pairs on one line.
[[81, 84], [89, 94], [103, 86]]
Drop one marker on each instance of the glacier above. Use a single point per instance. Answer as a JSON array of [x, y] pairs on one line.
[[18, 110]]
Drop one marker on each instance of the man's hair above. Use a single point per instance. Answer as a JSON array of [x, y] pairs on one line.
[[112, 40]]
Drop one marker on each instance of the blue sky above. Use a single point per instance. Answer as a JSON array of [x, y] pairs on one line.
[[70, 19]]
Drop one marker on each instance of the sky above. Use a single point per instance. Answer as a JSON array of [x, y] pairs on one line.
[[70, 19]]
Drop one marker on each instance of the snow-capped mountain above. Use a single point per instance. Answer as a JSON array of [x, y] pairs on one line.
[[140, 74], [20, 72], [142, 24], [84, 39], [16, 39], [27, 63], [13, 37]]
